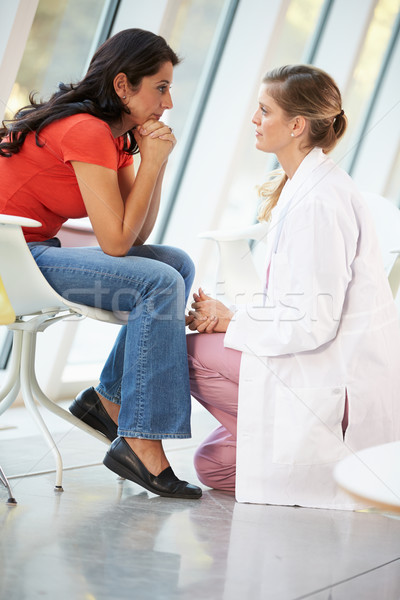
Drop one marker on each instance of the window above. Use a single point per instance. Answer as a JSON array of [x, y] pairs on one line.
[[293, 39], [181, 23], [364, 76], [57, 49]]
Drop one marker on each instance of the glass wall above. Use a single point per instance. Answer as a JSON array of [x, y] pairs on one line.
[[182, 22], [292, 46], [57, 49], [392, 189], [364, 77], [180, 27]]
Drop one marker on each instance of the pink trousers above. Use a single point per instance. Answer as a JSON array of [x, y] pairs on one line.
[[214, 382]]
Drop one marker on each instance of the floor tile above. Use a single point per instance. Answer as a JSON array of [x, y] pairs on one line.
[[382, 583]]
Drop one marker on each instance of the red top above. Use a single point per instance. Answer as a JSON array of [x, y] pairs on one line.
[[40, 183]]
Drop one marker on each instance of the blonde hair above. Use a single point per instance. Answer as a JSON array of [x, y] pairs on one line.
[[303, 90]]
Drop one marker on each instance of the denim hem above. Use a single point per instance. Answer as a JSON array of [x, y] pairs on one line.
[[101, 390], [152, 436]]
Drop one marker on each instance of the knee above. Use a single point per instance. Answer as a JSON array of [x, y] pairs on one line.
[[165, 298], [187, 268], [167, 279], [188, 271], [182, 262], [216, 466], [203, 467]]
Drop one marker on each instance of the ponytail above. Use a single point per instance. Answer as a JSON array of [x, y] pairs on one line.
[[270, 192]]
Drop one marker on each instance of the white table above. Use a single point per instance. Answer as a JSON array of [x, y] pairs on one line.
[[373, 474]]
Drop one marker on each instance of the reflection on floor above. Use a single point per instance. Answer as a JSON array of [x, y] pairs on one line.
[[109, 539]]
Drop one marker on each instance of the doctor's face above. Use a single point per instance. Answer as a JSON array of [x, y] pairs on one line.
[[272, 124]]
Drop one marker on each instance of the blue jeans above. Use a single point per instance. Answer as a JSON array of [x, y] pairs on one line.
[[146, 371]]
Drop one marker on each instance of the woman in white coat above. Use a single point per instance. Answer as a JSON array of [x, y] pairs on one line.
[[310, 373]]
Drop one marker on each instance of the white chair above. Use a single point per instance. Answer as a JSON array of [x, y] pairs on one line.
[[36, 306], [241, 270], [386, 217], [7, 316]]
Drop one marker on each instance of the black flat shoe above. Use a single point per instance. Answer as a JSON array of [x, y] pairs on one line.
[[121, 459], [88, 408]]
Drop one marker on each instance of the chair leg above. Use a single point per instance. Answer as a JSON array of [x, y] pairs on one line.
[[64, 414], [11, 500], [27, 374], [11, 386], [9, 399]]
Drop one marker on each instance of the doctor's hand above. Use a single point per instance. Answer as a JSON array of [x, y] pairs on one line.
[[209, 315]]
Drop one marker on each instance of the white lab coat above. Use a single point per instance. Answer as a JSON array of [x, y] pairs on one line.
[[329, 326]]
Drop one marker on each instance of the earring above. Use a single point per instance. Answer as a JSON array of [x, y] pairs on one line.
[[123, 97], [292, 134]]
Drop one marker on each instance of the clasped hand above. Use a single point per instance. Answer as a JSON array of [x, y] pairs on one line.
[[152, 137], [209, 315]]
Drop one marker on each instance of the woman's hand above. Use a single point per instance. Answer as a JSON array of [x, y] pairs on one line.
[[209, 315], [156, 129], [155, 140]]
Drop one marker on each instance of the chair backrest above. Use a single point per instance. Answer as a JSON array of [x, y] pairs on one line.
[[27, 289], [240, 270], [386, 217]]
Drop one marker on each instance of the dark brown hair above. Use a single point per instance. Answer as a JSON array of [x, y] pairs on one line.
[[135, 52]]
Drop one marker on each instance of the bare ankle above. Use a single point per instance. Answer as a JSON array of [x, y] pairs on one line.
[[151, 453], [111, 408]]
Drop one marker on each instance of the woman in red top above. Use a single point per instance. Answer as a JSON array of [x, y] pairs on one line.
[[71, 157]]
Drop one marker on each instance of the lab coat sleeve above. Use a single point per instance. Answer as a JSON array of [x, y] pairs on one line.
[[309, 276]]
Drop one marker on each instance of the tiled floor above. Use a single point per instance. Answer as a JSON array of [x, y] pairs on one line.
[[107, 539]]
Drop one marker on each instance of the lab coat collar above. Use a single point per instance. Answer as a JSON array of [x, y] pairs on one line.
[[296, 185], [310, 163]]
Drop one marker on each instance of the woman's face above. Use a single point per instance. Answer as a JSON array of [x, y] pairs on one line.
[[152, 98], [273, 128]]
